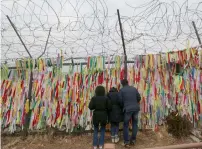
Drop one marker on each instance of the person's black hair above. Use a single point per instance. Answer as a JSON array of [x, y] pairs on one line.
[[113, 89], [100, 91], [124, 82]]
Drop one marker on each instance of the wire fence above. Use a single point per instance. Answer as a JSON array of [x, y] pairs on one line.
[[90, 28]]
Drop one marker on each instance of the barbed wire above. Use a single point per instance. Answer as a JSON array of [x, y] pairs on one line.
[[90, 27]]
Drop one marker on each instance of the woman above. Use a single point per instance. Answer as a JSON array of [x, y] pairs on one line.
[[115, 115], [100, 104]]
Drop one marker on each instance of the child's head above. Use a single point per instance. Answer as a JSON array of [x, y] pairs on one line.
[[100, 91], [113, 89]]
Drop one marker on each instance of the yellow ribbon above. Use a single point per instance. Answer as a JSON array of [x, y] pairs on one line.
[[200, 59], [147, 61], [27, 106], [151, 61]]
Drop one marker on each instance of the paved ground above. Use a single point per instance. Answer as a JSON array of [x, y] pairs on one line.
[[145, 139]]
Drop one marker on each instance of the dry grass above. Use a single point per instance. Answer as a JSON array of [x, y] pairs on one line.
[[145, 139]]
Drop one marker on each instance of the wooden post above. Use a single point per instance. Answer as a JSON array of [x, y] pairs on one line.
[[124, 48]]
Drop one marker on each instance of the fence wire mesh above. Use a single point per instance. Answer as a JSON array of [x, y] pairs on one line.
[[90, 27]]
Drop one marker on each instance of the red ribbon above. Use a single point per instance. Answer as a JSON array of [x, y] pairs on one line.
[[6, 83], [176, 98], [14, 92], [194, 85], [100, 78], [122, 74], [22, 84], [86, 80], [8, 115], [88, 65], [2, 84], [199, 108], [4, 97], [182, 85], [57, 111], [168, 96], [74, 79], [138, 78], [37, 91], [23, 117]]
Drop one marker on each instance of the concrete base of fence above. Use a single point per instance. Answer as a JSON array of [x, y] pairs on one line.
[[109, 146], [181, 146]]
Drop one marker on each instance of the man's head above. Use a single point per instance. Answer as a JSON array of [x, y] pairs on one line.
[[124, 82]]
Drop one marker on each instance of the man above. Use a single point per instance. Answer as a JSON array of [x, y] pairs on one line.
[[129, 98]]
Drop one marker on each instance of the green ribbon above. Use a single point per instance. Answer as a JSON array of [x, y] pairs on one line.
[[31, 64], [26, 64], [61, 62], [4, 72]]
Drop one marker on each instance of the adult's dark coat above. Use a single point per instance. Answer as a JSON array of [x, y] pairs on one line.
[[129, 98], [101, 105], [116, 112]]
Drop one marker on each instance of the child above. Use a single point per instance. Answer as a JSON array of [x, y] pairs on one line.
[[115, 115], [100, 104]]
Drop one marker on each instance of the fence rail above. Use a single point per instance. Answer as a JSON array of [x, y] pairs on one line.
[[82, 63]]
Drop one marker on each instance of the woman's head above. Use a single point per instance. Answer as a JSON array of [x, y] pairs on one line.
[[100, 91], [113, 89]]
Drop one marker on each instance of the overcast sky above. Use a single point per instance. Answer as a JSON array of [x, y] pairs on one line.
[[89, 27]]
